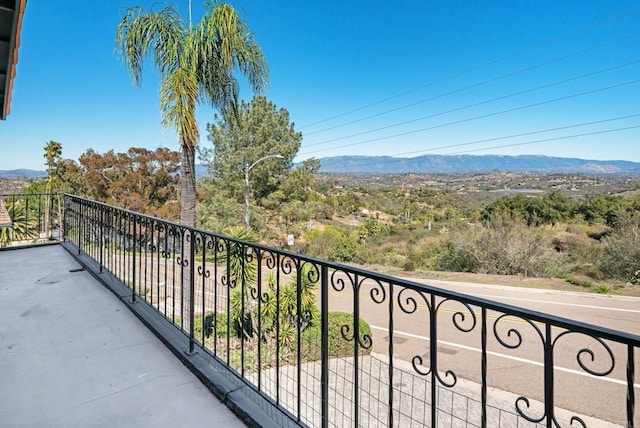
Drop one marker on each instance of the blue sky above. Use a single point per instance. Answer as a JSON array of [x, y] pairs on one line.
[[358, 77]]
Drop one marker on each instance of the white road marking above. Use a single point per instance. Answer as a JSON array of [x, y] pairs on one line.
[[548, 302], [508, 357]]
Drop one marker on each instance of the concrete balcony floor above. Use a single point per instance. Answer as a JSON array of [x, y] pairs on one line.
[[73, 355]]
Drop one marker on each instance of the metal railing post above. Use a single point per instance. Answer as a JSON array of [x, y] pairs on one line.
[[548, 377], [192, 296], [630, 392], [390, 368], [483, 368], [101, 240], [433, 360], [64, 220], [133, 280], [324, 344], [80, 221]]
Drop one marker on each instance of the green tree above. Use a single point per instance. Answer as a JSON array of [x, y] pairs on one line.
[[140, 180], [597, 208], [255, 130], [196, 65], [52, 153], [70, 177]]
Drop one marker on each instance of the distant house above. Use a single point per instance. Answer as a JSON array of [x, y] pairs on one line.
[[11, 13]]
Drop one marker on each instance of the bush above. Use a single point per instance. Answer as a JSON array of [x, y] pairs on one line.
[[579, 254], [338, 345], [335, 245], [504, 246], [209, 322], [621, 249]]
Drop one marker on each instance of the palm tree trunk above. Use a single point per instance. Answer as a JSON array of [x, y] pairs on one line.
[[188, 185], [47, 210], [187, 218]]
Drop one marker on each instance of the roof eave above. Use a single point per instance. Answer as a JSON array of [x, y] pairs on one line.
[[14, 44]]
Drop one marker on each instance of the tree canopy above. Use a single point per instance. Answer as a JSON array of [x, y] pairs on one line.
[[255, 130], [141, 180], [242, 136]]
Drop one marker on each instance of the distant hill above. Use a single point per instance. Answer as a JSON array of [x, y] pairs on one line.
[[22, 173], [201, 171], [474, 164], [448, 164]]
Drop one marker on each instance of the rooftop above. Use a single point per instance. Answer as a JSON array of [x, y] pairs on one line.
[[73, 355], [11, 12]]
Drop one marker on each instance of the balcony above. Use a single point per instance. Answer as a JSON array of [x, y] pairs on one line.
[[283, 339], [72, 355]]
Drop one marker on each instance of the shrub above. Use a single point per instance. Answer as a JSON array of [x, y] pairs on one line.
[[504, 246], [336, 245], [621, 249], [338, 345], [579, 254], [207, 322]]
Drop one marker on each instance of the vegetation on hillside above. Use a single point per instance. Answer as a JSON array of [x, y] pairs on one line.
[[585, 229]]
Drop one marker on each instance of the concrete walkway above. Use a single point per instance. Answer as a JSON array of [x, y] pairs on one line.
[[72, 355]]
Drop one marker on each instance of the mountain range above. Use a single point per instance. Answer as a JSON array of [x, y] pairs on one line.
[[22, 173], [474, 164], [447, 164]]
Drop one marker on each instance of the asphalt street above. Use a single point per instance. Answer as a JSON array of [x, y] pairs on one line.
[[518, 370]]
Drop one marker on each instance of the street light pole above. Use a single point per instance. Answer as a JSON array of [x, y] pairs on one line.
[[248, 168]]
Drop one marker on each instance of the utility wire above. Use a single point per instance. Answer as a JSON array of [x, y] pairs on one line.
[[523, 134], [483, 116], [505, 137], [482, 83], [548, 139], [481, 66], [513, 94]]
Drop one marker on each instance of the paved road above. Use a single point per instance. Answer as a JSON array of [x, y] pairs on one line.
[[516, 370]]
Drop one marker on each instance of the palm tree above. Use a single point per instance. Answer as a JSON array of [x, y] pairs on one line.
[[242, 273], [196, 65], [24, 227], [52, 152]]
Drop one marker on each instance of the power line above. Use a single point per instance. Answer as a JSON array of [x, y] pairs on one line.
[[481, 66], [549, 139], [482, 83], [524, 134], [483, 116], [513, 94], [505, 137]]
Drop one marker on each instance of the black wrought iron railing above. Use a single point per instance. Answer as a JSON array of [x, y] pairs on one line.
[[333, 345], [30, 218]]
